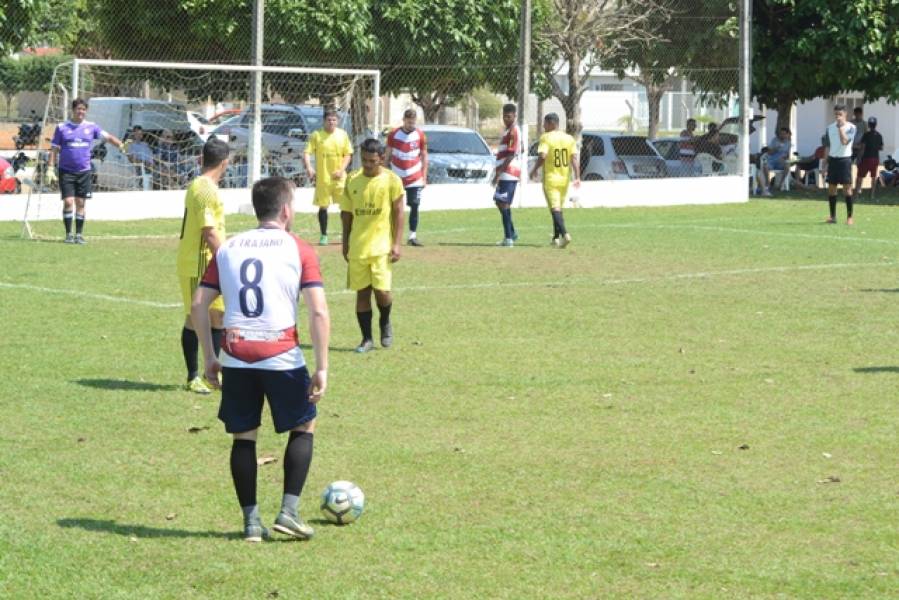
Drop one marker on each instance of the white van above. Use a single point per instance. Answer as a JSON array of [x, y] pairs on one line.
[[118, 116]]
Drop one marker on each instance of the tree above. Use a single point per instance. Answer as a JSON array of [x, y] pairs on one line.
[[695, 41], [575, 33], [18, 20], [10, 80], [804, 49]]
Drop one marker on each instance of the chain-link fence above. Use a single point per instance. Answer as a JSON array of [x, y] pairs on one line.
[[649, 87]]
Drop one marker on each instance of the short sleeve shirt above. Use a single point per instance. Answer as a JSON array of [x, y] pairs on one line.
[[872, 142], [329, 150], [202, 208], [837, 149], [370, 200], [260, 274], [559, 149], [74, 143]]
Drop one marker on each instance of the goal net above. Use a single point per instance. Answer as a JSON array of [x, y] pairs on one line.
[[166, 111]]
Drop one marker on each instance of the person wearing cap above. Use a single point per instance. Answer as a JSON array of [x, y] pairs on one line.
[[872, 144]]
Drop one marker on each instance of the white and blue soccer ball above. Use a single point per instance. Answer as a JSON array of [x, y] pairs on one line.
[[342, 502]]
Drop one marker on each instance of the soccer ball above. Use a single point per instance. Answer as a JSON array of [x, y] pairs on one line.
[[342, 502]]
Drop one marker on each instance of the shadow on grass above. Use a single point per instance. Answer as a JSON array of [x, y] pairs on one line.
[[885, 369], [140, 531], [883, 290], [479, 245], [884, 197], [123, 384], [308, 348]]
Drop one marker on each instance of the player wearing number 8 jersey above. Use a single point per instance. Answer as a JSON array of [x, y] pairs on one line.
[[260, 274], [559, 157]]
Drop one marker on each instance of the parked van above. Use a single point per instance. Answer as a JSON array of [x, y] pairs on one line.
[[118, 116]]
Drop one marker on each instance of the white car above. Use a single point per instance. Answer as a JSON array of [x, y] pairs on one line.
[[614, 156], [457, 155], [199, 124]]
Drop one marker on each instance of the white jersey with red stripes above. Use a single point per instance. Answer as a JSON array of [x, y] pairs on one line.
[[405, 155], [260, 274], [509, 145]]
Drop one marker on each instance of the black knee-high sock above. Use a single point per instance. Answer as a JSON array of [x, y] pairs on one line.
[[384, 315], [364, 319], [832, 204], [79, 224], [189, 346], [67, 220], [559, 222], [243, 471], [849, 205], [217, 339], [297, 458], [323, 220], [506, 214], [413, 218]]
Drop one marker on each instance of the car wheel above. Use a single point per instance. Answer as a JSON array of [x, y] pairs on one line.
[[592, 177]]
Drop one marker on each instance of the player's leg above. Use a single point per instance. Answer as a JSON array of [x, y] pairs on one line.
[[551, 195], [847, 191], [505, 192], [322, 200], [413, 200], [382, 281], [189, 341], [241, 411], [556, 198], [83, 191], [287, 393], [67, 189], [831, 200]]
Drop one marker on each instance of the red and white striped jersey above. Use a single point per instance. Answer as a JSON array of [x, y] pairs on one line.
[[260, 274], [405, 155], [510, 145]]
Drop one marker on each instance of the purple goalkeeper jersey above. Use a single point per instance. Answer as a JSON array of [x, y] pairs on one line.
[[74, 143]]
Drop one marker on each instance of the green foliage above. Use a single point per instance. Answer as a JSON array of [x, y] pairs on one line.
[[490, 106], [803, 49], [10, 80], [18, 20], [37, 71]]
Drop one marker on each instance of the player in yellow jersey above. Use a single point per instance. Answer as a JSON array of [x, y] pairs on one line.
[[372, 218], [202, 232], [333, 151], [558, 156]]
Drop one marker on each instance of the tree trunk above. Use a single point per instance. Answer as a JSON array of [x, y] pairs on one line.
[[572, 100], [654, 95], [784, 108]]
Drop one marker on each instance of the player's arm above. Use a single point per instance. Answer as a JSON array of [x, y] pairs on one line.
[[212, 238], [576, 167], [320, 332], [343, 165], [108, 137], [541, 158], [844, 138], [199, 316], [310, 147], [397, 220], [346, 221]]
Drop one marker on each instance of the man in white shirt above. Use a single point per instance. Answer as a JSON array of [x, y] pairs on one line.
[[838, 170]]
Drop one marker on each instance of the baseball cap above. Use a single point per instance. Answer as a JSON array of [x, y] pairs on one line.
[[872, 121]]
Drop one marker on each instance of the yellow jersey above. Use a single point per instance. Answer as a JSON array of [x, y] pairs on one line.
[[202, 208], [559, 149], [370, 200], [329, 150]]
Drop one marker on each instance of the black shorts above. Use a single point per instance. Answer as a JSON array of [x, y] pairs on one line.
[[839, 170], [413, 196], [75, 185], [242, 397]]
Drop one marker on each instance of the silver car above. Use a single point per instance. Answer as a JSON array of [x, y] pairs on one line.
[[457, 155], [669, 148]]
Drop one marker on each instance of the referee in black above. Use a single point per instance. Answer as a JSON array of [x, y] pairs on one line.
[[838, 152]]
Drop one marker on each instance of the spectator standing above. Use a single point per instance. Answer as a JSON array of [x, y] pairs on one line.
[[71, 150], [407, 154], [858, 120], [686, 149], [872, 144]]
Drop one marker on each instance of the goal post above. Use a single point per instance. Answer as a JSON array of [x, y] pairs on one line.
[[171, 104]]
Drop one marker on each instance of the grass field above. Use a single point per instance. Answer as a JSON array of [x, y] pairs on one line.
[[692, 402]]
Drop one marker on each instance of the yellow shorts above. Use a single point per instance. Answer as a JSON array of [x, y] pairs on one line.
[[374, 271], [325, 195], [188, 287], [555, 195]]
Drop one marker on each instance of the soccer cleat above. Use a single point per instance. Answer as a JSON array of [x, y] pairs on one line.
[[365, 346], [849, 221], [79, 239], [830, 221], [197, 386], [323, 240], [293, 526], [514, 236], [414, 242], [255, 533], [387, 335], [554, 243], [70, 238], [506, 243], [565, 241]]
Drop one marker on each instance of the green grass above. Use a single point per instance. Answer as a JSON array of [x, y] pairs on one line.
[[549, 424]]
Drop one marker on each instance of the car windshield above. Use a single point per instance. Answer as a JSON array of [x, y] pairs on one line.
[[160, 116], [632, 146], [456, 142]]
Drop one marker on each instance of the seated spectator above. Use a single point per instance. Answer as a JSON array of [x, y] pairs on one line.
[[889, 177], [709, 143], [779, 150], [169, 161], [807, 164], [686, 150], [139, 151], [763, 174]]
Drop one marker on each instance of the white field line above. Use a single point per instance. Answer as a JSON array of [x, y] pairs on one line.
[[495, 285], [781, 234]]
